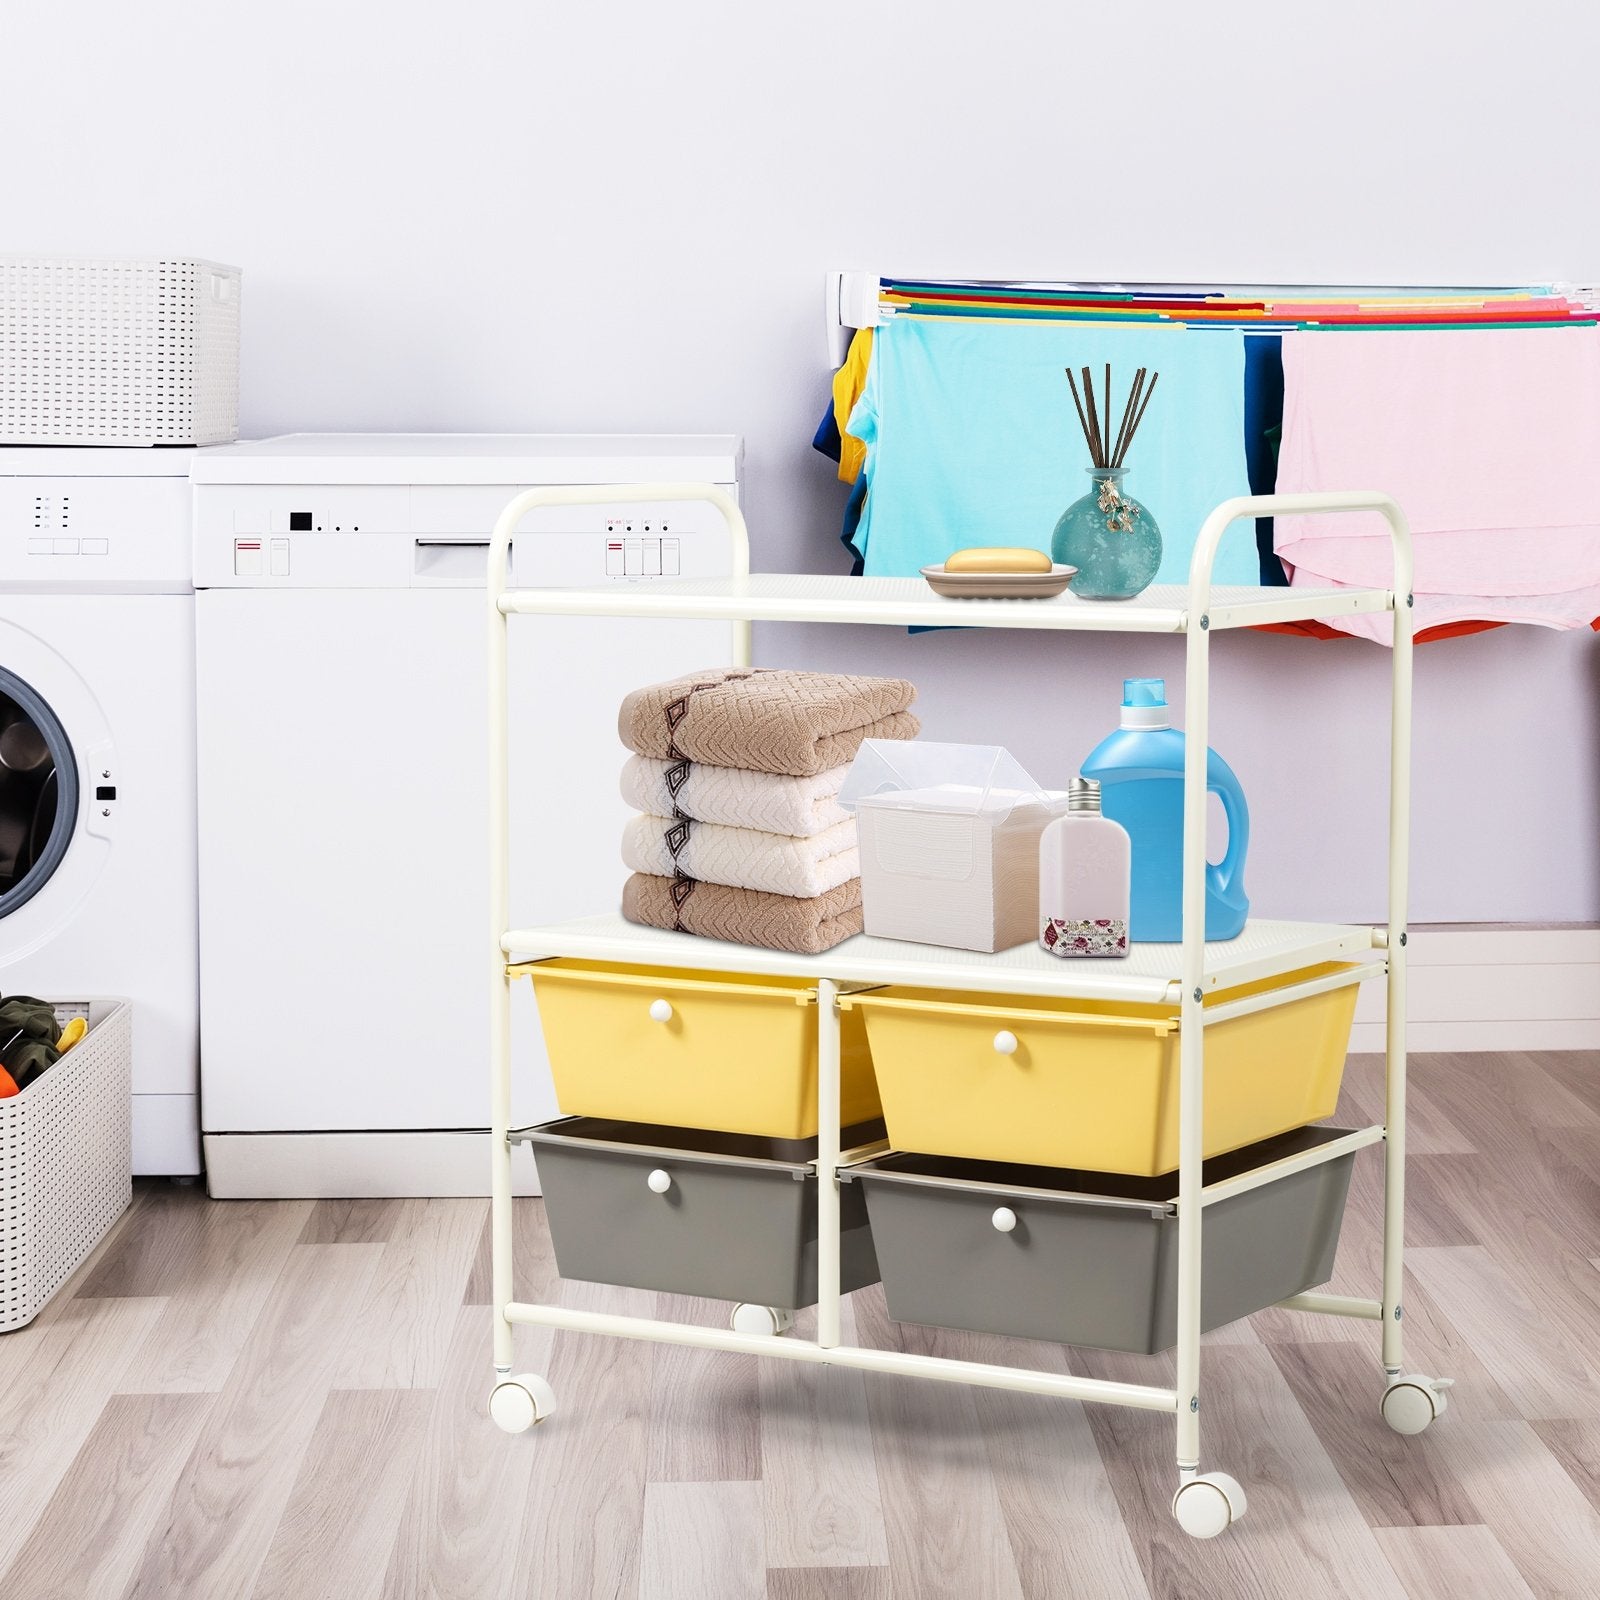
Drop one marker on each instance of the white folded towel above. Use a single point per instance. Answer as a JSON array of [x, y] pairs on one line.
[[745, 858], [736, 798]]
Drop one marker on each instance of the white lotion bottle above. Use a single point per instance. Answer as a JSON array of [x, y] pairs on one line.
[[1084, 864]]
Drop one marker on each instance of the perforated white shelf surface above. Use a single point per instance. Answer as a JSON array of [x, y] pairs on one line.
[[909, 602], [1150, 972]]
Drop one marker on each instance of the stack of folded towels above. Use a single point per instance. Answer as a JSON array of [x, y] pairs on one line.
[[737, 776]]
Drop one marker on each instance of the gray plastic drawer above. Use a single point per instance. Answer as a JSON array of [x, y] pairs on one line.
[[1093, 1259], [736, 1220]]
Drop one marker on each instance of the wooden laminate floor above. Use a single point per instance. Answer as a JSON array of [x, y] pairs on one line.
[[287, 1400]]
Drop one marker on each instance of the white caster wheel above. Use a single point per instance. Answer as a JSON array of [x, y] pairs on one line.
[[1208, 1504], [515, 1404], [1412, 1401], [761, 1321]]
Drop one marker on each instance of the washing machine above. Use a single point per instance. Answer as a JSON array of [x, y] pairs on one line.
[[97, 760], [343, 736]]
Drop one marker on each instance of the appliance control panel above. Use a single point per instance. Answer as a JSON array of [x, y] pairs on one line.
[[433, 535], [102, 534], [642, 547]]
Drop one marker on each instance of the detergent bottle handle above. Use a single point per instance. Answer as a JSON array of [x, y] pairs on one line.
[[1221, 877]]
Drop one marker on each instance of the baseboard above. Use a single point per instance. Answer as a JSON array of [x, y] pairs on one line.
[[356, 1166], [166, 1135], [1494, 988]]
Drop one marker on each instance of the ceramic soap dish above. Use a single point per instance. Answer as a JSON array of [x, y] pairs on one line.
[[999, 585]]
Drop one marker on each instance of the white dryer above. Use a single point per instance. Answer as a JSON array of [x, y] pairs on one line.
[[343, 779], [97, 759]]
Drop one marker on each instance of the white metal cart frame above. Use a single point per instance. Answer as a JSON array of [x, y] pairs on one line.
[[1204, 1504]]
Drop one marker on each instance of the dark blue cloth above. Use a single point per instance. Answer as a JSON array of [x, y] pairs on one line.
[[1263, 428], [827, 440], [852, 521]]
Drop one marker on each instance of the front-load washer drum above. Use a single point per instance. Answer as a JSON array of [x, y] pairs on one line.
[[38, 792]]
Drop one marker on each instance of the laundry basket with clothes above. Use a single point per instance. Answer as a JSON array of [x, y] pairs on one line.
[[66, 1141], [32, 1039]]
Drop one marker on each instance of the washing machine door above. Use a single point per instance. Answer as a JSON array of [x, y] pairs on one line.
[[39, 784], [55, 748]]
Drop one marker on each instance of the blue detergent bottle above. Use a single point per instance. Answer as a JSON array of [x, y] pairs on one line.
[[1140, 772]]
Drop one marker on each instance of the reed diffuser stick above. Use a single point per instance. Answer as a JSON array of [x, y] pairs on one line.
[[1083, 421], [1133, 409], [1127, 414], [1097, 449], [1144, 406], [1107, 461]]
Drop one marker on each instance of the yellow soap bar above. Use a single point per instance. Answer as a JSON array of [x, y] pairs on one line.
[[997, 558]]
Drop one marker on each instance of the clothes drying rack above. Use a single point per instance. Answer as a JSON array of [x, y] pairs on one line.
[[851, 300], [1204, 1503]]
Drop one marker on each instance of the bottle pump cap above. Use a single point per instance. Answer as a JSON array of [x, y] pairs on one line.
[[1144, 703], [1083, 794]]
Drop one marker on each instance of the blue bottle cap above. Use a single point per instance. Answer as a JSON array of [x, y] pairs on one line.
[[1144, 691]]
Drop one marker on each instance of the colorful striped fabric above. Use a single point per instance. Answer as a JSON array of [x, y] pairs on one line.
[[1253, 309]]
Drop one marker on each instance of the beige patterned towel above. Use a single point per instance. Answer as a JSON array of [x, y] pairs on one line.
[[797, 723], [745, 916]]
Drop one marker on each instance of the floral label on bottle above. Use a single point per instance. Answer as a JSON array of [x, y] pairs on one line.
[[1103, 936]]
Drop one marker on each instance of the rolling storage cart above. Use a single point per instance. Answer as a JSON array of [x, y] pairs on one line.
[[1189, 989]]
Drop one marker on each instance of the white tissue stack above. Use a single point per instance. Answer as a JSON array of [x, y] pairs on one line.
[[949, 842]]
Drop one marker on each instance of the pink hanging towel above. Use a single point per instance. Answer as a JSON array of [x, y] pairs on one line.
[[1486, 437]]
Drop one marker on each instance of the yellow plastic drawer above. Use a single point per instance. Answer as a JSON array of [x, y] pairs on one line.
[[724, 1051], [1094, 1084]]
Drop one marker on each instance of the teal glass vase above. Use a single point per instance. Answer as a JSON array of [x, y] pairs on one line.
[[1110, 538]]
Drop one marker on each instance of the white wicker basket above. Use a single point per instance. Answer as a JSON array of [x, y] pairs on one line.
[[118, 352], [66, 1160]]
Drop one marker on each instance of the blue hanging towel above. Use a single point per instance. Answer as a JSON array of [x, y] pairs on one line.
[[972, 438]]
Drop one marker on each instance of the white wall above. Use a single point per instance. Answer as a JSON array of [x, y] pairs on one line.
[[496, 214]]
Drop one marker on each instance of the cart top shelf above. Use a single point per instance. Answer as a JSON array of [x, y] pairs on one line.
[[908, 602], [1149, 973]]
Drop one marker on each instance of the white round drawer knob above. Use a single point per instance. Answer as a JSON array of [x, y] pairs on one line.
[[1005, 1042], [661, 1011], [659, 1181], [1004, 1219]]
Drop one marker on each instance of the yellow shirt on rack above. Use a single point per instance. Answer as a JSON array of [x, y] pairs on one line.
[[848, 382]]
